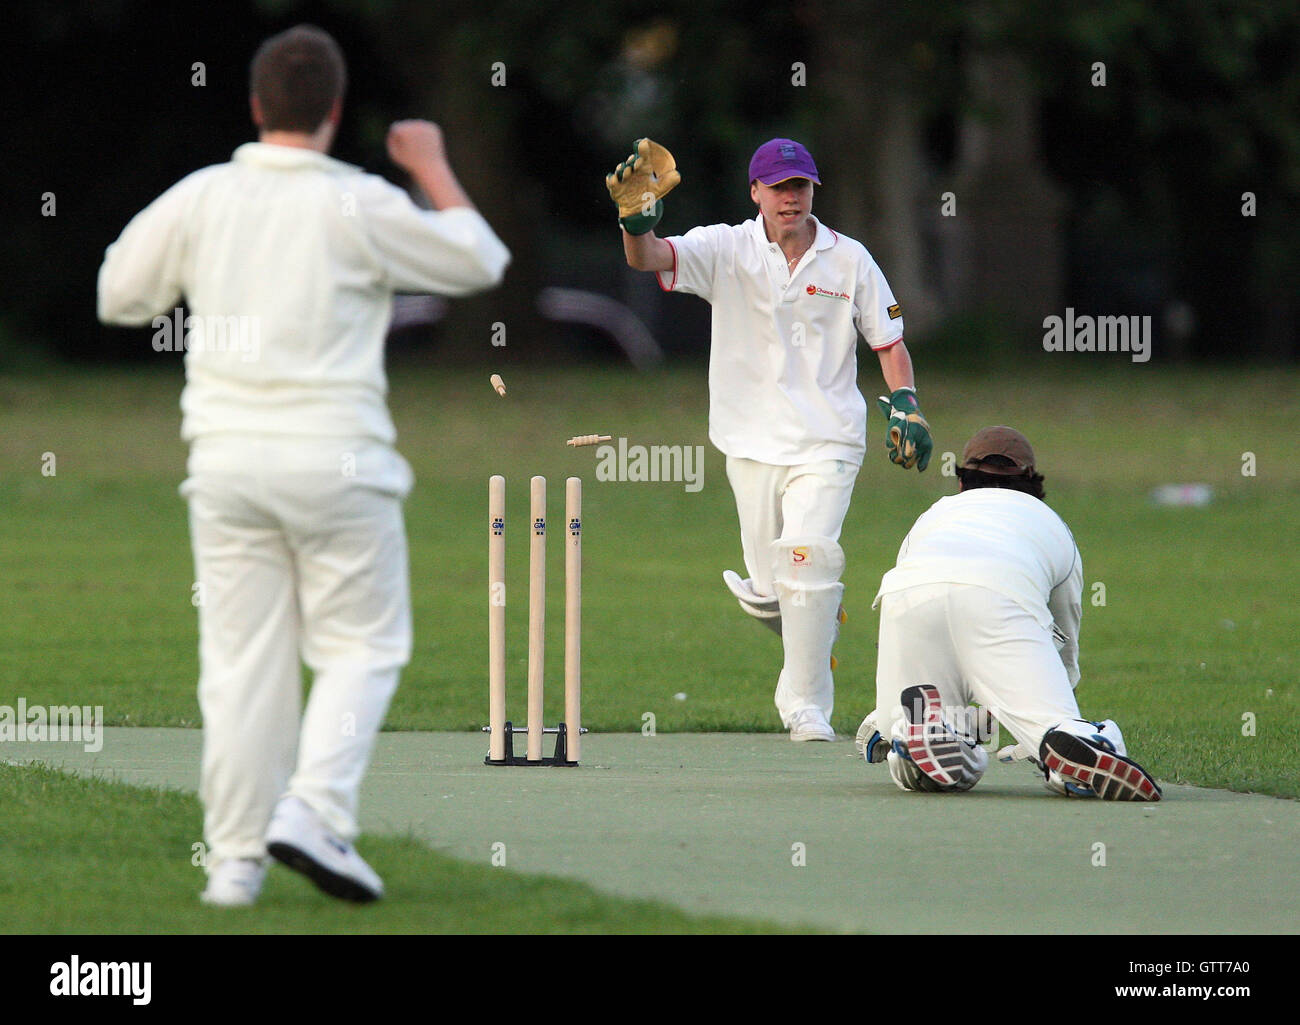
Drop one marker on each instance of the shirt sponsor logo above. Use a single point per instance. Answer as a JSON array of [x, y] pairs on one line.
[[816, 290], [895, 311]]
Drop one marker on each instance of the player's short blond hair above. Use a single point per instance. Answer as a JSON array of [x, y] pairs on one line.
[[297, 76]]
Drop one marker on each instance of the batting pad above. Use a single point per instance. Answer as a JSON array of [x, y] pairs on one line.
[[811, 561], [806, 572]]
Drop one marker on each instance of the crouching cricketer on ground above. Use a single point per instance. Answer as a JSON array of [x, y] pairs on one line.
[[983, 607], [295, 490], [790, 300]]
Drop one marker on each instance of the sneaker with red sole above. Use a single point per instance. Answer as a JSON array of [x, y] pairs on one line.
[[935, 747], [1096, 764]]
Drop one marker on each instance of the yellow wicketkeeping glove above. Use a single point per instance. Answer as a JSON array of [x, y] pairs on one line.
[[639, 184]]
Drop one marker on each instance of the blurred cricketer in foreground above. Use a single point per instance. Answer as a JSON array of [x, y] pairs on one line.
[[790, 300], [984, 607], [294, 487]]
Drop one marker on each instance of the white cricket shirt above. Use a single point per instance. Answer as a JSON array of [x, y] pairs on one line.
[[1006, 541], [783, 358], [288, 260]]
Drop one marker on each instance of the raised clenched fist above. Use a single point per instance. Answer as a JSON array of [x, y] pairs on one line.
[[415, 144]]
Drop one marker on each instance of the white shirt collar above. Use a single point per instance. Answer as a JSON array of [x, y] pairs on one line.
[[265, 154], [824, 239]]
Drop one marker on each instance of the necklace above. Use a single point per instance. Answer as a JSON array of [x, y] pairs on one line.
[[789, 264]]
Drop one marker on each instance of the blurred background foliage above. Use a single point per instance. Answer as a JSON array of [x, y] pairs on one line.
[[1171, 190]]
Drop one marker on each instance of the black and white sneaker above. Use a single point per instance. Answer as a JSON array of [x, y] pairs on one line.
[[935, 747], [1096, 764], [298, 838]]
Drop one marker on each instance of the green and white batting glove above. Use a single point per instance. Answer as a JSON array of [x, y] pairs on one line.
[[908, 438]]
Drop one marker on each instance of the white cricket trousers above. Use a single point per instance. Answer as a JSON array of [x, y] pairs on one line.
[[300, 557], [974, 645], [774, 502]]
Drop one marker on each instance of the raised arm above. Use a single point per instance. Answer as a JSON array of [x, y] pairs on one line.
[[637, 186], [417, 148], [647, 252], [452, 251]]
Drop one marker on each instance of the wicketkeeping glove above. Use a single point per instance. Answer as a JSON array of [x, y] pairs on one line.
[[908, 439], [639, 184]]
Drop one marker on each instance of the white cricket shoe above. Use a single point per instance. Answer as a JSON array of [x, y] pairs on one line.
[[298, 837], [949, 759], [1052, 780], [810, 724], [1107, 736], [234, 883], [1091, 759]]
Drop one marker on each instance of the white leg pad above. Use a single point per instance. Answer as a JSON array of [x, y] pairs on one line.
[[807, 571]]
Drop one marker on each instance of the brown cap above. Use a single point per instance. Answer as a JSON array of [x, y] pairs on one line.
[[998, 441]]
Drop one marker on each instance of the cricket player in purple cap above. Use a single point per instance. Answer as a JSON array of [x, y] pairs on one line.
[[790, 298]]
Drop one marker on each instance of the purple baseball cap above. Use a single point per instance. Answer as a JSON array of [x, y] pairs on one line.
[[780, 159]]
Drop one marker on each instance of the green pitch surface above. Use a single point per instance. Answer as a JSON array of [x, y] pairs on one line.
[[1189, 619]]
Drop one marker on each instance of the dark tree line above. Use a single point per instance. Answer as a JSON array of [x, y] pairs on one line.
[[1172, 189]]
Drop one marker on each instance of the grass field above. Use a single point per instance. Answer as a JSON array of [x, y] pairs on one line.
[[1190, 613], [114, 834]]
